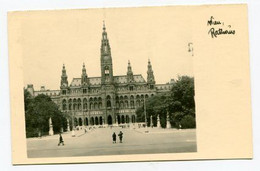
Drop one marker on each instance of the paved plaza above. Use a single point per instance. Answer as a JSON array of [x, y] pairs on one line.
[[99, 142]]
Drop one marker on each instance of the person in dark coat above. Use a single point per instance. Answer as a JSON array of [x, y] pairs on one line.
[[120, 136], [114, 137], [61, 140]]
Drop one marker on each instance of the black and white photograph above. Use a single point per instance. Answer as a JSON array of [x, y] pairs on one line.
[[103, 86]]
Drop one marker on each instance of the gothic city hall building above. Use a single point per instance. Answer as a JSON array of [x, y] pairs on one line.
[[106, 100]]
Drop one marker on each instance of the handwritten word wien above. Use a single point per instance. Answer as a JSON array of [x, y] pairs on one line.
[[215, 32]]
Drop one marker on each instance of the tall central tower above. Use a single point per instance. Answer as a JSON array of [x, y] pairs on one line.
[[107, 80], [106, 59]]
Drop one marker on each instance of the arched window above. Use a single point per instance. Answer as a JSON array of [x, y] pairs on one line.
[[132, 104], [99, 102], [85, 104], [95, 105], [79, 104], [74, 104], [99, 105], [126, 104], [121, 104], [70, 104], [108, 101], [138, 103]]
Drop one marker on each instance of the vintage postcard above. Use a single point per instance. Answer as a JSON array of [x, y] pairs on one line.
[[130, 84]]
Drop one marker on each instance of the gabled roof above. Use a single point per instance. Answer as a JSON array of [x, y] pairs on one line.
[[121, 79], [92, 80]]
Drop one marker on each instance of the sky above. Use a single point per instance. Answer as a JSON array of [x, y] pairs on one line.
[[50, 39]]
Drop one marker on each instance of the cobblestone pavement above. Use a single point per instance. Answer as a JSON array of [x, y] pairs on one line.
[[99, 142]]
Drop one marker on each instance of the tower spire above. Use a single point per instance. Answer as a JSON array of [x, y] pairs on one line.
[[106, 59], [84, 76], [64, 77], [150, 76], [104, 26], [130, 76]]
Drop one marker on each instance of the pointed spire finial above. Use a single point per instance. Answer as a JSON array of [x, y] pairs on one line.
[[83, 64], [149, 62], [104, 26], [128, 62]]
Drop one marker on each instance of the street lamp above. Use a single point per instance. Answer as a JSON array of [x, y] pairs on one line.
[[73, 129], [145, 117]]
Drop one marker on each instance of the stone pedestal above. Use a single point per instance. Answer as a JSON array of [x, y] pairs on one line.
[[50, 127], [116, 124], [73, 133], [158, 121]]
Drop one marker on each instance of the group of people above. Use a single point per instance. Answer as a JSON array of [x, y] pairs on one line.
[[120, 135]]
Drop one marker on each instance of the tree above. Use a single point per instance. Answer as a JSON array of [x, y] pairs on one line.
[[183, 104], [179, 103], [38, 110], [154, 105]]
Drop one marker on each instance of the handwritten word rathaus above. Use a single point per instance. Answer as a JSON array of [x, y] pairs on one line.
[[215, 32]]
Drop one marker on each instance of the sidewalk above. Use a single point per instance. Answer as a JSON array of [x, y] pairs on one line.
[[65, 135], [156, 130]]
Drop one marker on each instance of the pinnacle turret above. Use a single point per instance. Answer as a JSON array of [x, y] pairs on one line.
[[150, 75], [64, 77], [130, 76]]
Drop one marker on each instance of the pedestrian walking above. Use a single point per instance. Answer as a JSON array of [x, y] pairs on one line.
[[120, 136], [61, 140], [114, 137]]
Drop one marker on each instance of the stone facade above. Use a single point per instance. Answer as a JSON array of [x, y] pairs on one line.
[[108, 99]]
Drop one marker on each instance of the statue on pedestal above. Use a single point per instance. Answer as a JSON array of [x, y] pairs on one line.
[[116, 121], [168, 124], [50, 127], [158, 121], [68, 125], [151, 121]]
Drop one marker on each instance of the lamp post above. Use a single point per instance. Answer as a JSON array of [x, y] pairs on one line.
[[145, 117], [168, 124], [73, 129]]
